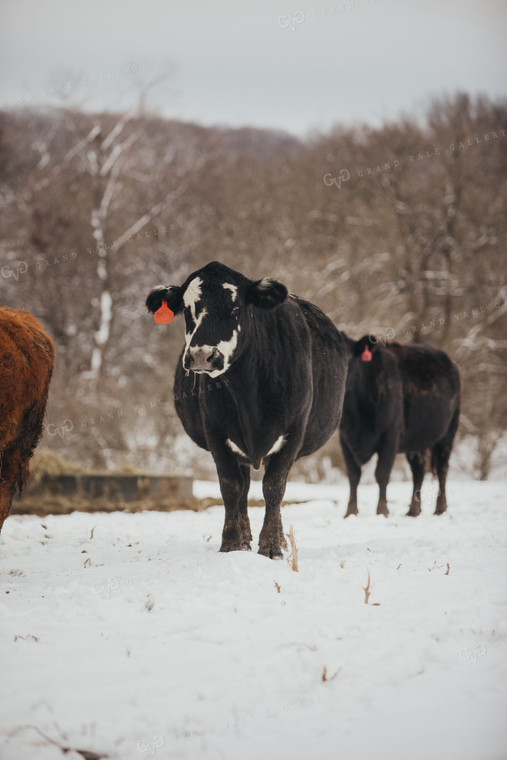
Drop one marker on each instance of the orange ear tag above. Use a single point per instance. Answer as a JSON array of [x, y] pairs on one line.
[[366, 355], [163, 315]]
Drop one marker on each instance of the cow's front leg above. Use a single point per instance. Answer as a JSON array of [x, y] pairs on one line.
[[283, 540], [244, 522], [271, 537], [232, 488], [354, 475]]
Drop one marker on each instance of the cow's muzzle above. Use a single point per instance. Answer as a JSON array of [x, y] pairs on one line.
[[203, 359]]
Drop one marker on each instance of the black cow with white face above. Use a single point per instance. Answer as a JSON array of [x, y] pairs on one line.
[[279, 369], [399, 398]]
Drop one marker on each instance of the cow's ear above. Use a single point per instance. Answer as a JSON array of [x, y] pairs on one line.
[[267, 293], [172, 295]]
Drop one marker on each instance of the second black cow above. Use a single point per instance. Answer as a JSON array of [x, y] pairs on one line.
[[399, 398], [260, 380]]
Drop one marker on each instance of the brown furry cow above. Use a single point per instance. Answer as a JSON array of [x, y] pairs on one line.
[[27, 357]]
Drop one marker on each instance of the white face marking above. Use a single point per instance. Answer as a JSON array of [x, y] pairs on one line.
[[189, 336], [226, 347], [192, 294], [235, 448], [277, 445], [191, 298], [232, 288]]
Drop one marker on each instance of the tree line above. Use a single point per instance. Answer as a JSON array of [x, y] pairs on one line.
[[398, 230]]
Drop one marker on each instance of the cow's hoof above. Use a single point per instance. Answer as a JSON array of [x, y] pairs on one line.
[[272, 552], [245, 546], [350, 512], [231, 546], [384, 512], [244, 525], [413, 512], [439, 511]]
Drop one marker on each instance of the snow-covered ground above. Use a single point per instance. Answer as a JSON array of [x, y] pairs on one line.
[[130, 636]]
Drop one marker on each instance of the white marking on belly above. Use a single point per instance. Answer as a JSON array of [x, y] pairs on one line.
[[232, 288], [235, 448], [277, 445], [192, 294]]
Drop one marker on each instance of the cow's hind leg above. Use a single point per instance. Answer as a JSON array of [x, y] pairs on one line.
[[14, 460], [417, 461], [386, 454], [244, 522], [354, 475], [12, 476], [440, 462], [7, 491]]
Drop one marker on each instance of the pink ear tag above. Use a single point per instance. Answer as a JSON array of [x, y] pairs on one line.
[[366, 355], [163, 315]]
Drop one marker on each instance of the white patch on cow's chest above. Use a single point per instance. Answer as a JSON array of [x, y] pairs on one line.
[[235, 449], [232, 288], [192, 294], [273, 450], [277, 445]]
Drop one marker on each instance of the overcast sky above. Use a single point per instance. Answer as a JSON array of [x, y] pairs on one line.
[[295, 65]]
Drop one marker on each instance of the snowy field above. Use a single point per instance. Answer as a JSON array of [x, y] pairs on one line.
[[130, 636]]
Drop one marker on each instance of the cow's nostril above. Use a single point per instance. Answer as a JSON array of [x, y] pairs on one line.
[[202, 359]]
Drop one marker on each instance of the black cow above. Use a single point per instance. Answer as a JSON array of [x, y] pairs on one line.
[[281, 366], [399, 398]]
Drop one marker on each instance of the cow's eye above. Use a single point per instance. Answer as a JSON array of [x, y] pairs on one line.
[[235, 309]]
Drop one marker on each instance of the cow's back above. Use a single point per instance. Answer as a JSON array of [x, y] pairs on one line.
[[431, 392], [330, 355]]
